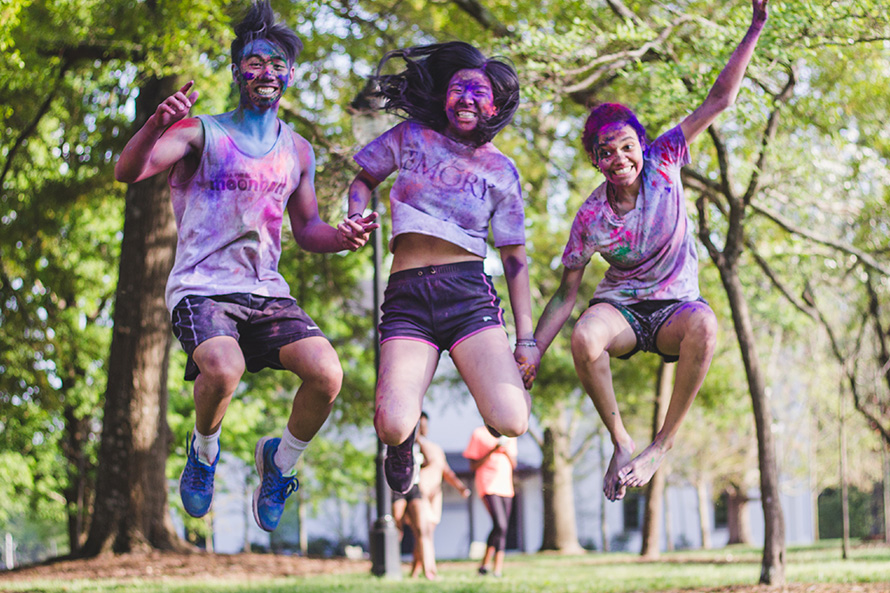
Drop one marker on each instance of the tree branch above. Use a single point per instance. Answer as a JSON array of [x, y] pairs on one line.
[[801, 304], [619, 8], [704, 231], [769, 135], [484, 17], [786, 224], [620, 60], [31, 127]]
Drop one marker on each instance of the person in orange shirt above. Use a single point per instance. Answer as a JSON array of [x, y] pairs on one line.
[[493, 459]]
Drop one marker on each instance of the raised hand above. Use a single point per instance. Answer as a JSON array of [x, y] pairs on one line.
[[176, 106], [760, 11]]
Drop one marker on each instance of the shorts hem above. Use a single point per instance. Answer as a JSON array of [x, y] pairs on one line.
[[473, 333], [412, 338]]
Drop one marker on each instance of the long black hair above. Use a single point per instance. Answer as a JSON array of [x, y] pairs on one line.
[[259, 23], [418, 92]]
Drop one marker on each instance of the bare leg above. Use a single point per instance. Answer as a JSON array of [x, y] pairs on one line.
[[486, 558], [315, 362], [417, 521], [486, 363], [691, 333], [406, 370], [221, 364], [498, 567], [601, 332], [428, 550], [416, 563]]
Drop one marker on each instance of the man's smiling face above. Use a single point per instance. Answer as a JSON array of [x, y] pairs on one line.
[[263, 74]]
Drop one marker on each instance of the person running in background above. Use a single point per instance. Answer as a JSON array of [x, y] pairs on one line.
[[434, 469], [649, 298], [494, 459], [233, 177], [452, 186]]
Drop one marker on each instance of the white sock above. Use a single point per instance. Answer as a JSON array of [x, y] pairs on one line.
[[289, 450], [207, 446]]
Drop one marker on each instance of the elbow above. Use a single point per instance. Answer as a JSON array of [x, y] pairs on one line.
[[721, 99], [121, 175], [124, 175]]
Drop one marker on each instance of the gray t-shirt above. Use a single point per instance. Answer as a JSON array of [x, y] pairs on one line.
[[446, 189], [650, 250]]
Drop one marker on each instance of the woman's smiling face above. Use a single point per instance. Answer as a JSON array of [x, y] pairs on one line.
[[468, 100], [619, 154]]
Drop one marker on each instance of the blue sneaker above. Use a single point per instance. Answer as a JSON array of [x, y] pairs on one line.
[[196, 482], [399, 466], [274, 488]]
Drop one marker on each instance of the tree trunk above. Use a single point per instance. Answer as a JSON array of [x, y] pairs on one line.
[[560, 529], [772, 568], [704, 512], [885, 450], [845, 497], [737, 521], [654, 515], [77, 492], [130, 512]]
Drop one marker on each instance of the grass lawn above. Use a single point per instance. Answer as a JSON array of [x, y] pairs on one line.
[[539, 573]]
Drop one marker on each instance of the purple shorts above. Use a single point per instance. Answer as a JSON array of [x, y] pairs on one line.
[[440, 305], [262, 326], [646, 318]]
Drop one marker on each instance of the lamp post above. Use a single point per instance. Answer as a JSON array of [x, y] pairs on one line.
[[384, 537]]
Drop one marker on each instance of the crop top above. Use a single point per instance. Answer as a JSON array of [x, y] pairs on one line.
[[446, 189]]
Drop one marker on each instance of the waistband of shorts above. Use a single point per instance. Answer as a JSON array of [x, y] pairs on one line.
[[463, 267]]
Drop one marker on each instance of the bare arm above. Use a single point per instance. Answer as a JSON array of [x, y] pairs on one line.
[[475, 463], [557, 311], [167, 137], [516, 270], [312, 233], [451, 477], [726, 88], [360, 193]]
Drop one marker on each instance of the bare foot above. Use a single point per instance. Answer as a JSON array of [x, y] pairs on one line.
[[639, 471], [612, 486]]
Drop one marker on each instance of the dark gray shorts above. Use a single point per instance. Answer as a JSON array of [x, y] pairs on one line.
[[440, 305], [262, 326], [412, 494], [646, 318]]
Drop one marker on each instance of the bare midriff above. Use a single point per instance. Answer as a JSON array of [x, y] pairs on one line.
[[413, 250]]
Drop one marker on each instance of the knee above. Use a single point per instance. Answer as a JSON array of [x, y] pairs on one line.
[[702, 331], [222, 369], [588, 345], [325, 377], [393, 428], [512, 427], [510, 420]]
